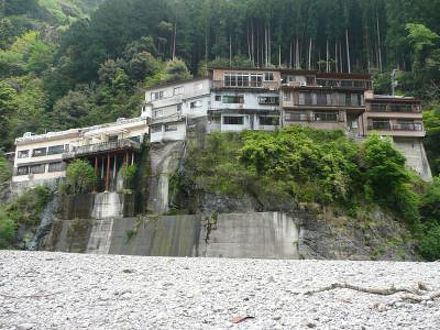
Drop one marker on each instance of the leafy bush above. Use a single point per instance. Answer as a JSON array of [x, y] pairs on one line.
[[429, 246], [129, 173], [5, 170], [80, 177], [7, 230], [26, 209]]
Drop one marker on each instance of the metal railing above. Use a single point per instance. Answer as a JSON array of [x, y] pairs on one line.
[[102, 147], [396, 127]]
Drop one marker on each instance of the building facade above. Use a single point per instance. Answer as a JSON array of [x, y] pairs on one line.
[[42, 159], [401, 119], [169, 108]]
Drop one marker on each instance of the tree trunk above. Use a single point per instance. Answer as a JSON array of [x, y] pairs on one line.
[[310, 54], [174, 40], [336, 57], [297, 64], [348, 51], [379, 44], [291, 55], [327, 57]]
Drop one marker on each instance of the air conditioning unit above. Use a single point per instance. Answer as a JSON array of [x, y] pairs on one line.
[[27, 134]]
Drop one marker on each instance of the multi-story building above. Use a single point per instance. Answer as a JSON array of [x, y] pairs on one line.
[[244, 100], [169, 108], [324, 100], [42, 159], [401, 119]]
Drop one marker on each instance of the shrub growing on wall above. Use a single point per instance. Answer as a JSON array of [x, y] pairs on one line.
[[80, 177]]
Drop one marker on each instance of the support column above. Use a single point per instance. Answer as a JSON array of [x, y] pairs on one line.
[[115, 160], [132, 158], [96, 173], [107, 177], [126, 158]]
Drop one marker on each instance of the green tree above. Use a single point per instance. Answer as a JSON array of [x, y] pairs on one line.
[[80, 177]]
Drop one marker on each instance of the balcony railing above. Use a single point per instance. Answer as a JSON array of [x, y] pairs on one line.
[[101, 148], [394, 108], [271, 85], [396, 127]]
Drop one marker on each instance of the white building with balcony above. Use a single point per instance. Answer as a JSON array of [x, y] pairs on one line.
[[42, 159], [169, 108]]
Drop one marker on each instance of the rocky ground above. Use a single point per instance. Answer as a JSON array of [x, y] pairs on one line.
[[70, 291]]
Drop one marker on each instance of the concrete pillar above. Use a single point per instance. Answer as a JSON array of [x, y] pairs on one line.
[[107, 176], [115, 160]]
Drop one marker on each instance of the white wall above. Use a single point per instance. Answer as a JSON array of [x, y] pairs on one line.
[[167, 136]]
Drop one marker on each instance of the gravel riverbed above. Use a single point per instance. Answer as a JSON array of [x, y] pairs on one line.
[[72, 291]]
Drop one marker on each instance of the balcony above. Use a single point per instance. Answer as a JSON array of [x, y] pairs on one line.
[[99, 148], [394, 108], [268, 85], [384, 126]]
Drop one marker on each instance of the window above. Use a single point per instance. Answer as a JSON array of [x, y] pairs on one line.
[[269, 121], [56, 167], [170, 128], [179, 107], [196, 104], [268, 76], [231, 99], [156, 96], [322, 99], [23, 170], [39, 152], [38, 169], [233, 120], [113, 138], [302, 99], [137, 139], [380, 124], [156, 129], [296, 116], [23, 154], [54, 150], [326, 116], [178, 90], [158, 113], [287, 96], [218, 98], [269, 100], [243, 79]]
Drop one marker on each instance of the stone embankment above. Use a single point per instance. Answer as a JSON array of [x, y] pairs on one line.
[[73, 291]]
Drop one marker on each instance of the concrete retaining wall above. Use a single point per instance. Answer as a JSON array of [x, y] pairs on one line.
[[247, 235]]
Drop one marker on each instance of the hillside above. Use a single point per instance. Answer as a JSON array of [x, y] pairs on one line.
[[66, 64]]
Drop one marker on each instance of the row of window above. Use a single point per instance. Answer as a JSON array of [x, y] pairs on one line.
[[329, 99], [246, 79], [365, 84], [315, 116], [41, 168], [239, 120], [384, 107], [52, 150], [168, 128], [399, 125], [179, 90]]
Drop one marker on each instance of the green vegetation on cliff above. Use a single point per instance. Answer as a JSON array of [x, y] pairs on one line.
[[284, 169]]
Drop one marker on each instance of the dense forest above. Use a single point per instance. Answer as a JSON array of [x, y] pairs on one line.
[[65, 64]]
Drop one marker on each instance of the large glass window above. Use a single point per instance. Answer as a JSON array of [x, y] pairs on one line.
[[53, 150], [56, 167], [38, 169], [39, 152], [170, 128], [156, 96], [233, 99], [380, 124], [233, 120], [269, 121], [23, 170], [23, 154], [296, 116], [244, 79], [326, 116], [269, 100]]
